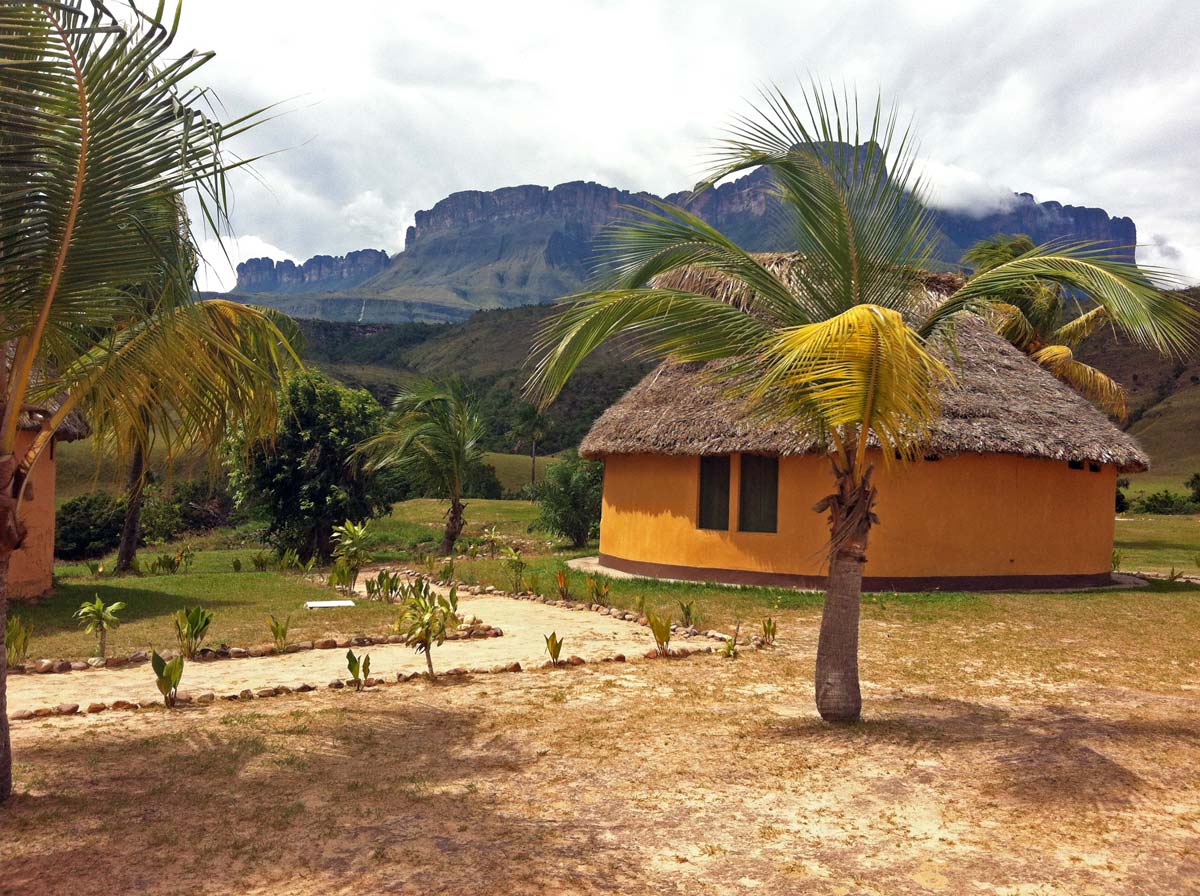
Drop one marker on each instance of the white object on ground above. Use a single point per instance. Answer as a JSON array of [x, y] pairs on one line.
[[323, 604]]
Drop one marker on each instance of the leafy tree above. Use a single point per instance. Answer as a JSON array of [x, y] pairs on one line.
[[433, 439], [840, 344], [570, 498], [426, 619], [310, 478], [530, 428], [1193, 485], [103, 133], [1035, 318]]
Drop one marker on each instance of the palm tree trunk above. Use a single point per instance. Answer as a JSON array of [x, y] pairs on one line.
[[851, 514], [454, 526], [533, 462], [103, 643], [429, 662], [134, 497], [12, 533]]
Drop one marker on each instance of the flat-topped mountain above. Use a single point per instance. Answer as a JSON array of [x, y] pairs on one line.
[[531, 245]]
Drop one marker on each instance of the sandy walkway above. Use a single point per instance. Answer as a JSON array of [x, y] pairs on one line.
[[524, 623]]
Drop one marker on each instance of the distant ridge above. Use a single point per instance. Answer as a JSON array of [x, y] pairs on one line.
[[530, 245]]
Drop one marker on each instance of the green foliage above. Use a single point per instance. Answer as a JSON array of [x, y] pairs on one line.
[[1193, 485], [729, 649], [165, 565], [387, 586], [554, 646], [310, 479], [599, 591], [426, 619], [569, 498], [534, 581], [563, 582], [17, 635], [96, 616], [342, 577], [88, 526], [770, 628], [515, 564], [191, 626], [491, 538], [360, 668], [351, 547], [687, 612], [279, 631], [261, 561], [1117, 559], [660, 627], [446, 573], [167, 676], [237, 564], [191, 505], [1164, 502]]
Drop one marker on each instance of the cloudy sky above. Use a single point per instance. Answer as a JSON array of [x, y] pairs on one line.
[[390, 106]]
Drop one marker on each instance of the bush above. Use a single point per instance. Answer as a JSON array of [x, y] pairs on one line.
[[570, 498], [1165, 502], [88, 526], [1193, 485], [192, 505], [482, 482]]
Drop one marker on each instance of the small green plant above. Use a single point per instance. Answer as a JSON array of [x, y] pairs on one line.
[[17, 635], [95, 568], [386, 586], [730, 650], [687, 612], [342, 577], [190, 628], [516, 566], [563, 583], [261, 561], [360, 668], [639, 604], [599, 591], [350, 546], [446, 574], [288, 560], [1117, 559], [185, 557], [237, 564], [98, 617], [426, 619], [534, 581], [1175, 574], [491, 538], [769, 630], [165, 565], [168, 676], [660, 627], [279, 631], [554, 646]]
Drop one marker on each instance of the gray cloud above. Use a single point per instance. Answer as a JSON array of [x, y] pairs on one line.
[[396, 105]]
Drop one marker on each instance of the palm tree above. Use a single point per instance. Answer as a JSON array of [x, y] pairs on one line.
[[434, 439], [96, 616], [100, 137], [530, 428], [1034, 317], [841, 345]]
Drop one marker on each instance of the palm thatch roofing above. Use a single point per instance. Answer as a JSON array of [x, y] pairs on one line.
[[1000, 403], [73, 427]]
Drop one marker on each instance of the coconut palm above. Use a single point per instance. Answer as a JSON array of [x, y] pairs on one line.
[[99, 617], [1035, 318], [843, 344], [100, 137], [434, 438]]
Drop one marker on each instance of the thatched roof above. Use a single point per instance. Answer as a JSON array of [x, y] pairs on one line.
[[1001, 403], [73, 428]]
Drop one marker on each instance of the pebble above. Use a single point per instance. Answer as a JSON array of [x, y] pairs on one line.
[[66, 709], [246, 694], [21, 715], [325, 644], [116, 662], [123, 704], [206, 697], [97, 707], [238, 652], [337, 684]]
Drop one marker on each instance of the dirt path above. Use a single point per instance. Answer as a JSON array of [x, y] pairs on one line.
[[524, 623]]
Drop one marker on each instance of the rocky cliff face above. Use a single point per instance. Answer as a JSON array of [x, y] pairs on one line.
[[320, 273], [530, 244]]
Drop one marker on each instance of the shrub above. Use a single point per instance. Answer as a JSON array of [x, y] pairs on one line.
[[191, 626], [1193, 486], [261, 560], [350, 547], [516, 565], [98, 617], [482, 482], [570, 497], [88, 526], [599, 592], [17, 635], [386, 586], [770, 628], [1165, 502], [660, 627], [426, 619], [360, 668], [563, 582], [167, 676], [237, 564], [687, 612]]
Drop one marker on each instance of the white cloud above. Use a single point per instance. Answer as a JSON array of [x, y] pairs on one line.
[[395, 105], [217, 270]]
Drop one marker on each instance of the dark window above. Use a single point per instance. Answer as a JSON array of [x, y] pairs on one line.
[[1093, 467], [1075, 464], [714, 493], [758, 502]]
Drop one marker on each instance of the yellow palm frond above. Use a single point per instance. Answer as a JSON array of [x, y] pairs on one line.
[[864, 371], [1011, 323], [1087, 380], [1074, 332]]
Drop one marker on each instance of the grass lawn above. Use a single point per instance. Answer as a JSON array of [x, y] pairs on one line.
[[513, 469], [1158, 543]]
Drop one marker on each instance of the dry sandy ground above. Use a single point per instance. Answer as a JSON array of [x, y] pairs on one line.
[[1018, 753], [524, 623]]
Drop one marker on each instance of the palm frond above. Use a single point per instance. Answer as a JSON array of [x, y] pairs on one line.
[[1083, 378], [1075, 331]]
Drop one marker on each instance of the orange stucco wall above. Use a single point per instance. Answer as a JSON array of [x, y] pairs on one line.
[[31, 570], [970, 515]]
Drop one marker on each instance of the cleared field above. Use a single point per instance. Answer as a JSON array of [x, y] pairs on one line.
[[513, 469]]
